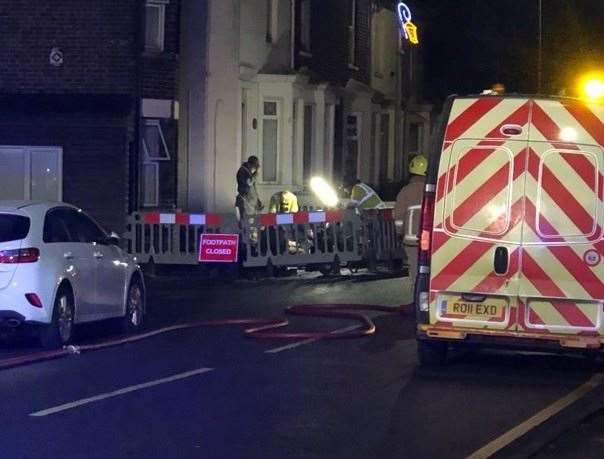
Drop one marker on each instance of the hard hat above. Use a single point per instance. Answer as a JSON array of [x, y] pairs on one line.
[[418, 165]]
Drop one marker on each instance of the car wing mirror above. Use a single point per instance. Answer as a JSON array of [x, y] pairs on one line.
[[113, 238]]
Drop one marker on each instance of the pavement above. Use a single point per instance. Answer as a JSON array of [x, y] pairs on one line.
[[212, 393]]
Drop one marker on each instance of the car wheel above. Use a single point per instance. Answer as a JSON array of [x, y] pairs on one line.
[[431, 353], [135, 308], [60, 331]]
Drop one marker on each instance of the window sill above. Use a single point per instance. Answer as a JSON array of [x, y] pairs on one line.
[[305, 54], [353, 67]]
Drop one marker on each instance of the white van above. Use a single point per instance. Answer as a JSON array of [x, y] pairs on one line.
[[511, 239]]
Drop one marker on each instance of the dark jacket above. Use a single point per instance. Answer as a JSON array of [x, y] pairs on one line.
[[246, 188]]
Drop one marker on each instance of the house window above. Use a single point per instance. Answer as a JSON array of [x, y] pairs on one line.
[[352, 34], [270, 140], [353, 136], [271, 20], [379, 52], [155, 150], [155, 19], [416, 138], [309, 111], [154, 142], [150, 184], [305, 27], [384, 146]]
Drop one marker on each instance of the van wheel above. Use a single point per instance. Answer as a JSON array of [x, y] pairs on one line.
[[135, 308], [60, 331], [431, 353]]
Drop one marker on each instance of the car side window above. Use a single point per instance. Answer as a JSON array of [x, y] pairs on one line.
[[83, 229], [55, 228]]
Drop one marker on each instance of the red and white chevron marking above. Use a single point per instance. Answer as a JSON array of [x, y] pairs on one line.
[[553, 214]]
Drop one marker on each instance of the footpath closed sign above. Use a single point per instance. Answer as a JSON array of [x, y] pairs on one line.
[[218, 248]]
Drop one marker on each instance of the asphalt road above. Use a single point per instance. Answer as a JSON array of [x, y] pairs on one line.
[[212, 393]]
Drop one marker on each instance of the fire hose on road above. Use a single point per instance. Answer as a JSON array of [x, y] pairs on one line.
[[257, 328]]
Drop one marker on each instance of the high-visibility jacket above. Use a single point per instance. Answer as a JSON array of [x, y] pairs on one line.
[[283, 202], [365, 197]]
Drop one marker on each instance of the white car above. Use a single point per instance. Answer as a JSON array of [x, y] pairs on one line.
[[58, 268]]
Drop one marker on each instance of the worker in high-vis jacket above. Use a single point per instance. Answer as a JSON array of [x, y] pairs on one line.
[[362, 196], [411, 195], [283, 202]]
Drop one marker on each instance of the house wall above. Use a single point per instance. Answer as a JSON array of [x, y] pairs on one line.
[[160, 101], [384, 49], [97, 42], [160, 70], [85, 104], [94, 160]]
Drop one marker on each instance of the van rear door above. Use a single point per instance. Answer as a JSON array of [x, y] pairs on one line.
[[478, 214], [560, 287]]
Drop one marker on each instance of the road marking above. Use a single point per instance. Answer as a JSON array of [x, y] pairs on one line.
[[287, 347], [116, 393], [538, 419]]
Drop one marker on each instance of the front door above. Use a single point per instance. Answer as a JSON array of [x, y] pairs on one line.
[[561, 287]]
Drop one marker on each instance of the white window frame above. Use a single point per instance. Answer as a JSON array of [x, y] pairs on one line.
[[156, 123], [161, 6], [352, 36], [276, 117], [27, 151], [155, 167]]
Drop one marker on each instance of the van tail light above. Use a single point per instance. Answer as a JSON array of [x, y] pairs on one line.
[[422, 282], [426, 226], [14, 257]]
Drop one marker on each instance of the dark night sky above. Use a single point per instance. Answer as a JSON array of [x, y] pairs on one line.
[[468, 45]]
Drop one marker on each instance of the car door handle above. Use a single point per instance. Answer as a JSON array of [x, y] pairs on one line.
[[98, 255], [68, 255], [501, 261]]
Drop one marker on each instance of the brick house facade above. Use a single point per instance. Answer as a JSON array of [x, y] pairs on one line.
[[68, 88], [157, 186], [84, 91]]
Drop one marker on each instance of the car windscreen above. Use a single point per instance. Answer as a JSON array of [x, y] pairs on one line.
[[13, 227]]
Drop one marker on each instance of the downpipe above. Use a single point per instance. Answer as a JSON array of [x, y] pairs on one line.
[[256, 328]]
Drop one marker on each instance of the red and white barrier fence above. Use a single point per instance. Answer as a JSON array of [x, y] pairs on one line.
[[295, 239]]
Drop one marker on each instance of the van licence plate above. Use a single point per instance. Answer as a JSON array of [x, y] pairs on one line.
[[458, 308]]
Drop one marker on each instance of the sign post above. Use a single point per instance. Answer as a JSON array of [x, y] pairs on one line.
[[218, 248]]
